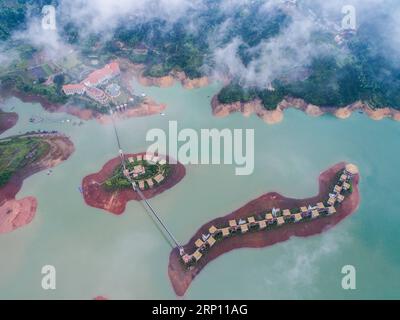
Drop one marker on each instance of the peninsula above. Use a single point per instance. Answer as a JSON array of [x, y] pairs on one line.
[[20, 157], [7, 120], [267, 220], [110, 190], [275, 114]]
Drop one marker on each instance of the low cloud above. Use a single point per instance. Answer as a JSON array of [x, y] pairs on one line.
[[47, 40], [280, 56], [283, 55], [103, 16]]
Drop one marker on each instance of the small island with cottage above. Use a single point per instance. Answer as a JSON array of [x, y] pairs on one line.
[[111, 188], [265, 221]]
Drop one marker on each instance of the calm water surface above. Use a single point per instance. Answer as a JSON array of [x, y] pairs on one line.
[[125, 257]]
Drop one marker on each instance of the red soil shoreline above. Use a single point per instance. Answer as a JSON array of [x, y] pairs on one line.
[[115, 202], [7, 120], [147, 108], [17, 213], [275, 116], [181, 278]]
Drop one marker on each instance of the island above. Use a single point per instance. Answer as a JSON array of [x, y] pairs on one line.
[[110, 189], [20, 157], [267, 220]]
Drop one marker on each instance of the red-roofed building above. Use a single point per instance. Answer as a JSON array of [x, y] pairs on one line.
[[100, 76], [97, 94], [70, 89]]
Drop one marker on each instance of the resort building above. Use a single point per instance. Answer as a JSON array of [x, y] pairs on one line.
[[262, 224], [346, 186], [71, 89], [331, 210], [197, 255], [139, 158], [314, 214], [340, 198], [304, 209], [113, 90], [286, 213], [102, 75], [159, 178], [140, 49], [139, 169], [232, 223], [148, 157], [251, 220], [186, 258], [248, 223], [97, 94], [199, 243], [141, 185], [225, 232], [211, 241], [320, 206], [244, 228], [93, 80], [351, 169], [269, 217], [332, 201], [297, 217], [150, 183], [212, 230], [337, 189]]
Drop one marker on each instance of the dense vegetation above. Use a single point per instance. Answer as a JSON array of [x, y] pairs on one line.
[[16, 153], [118, 180], [51, 93], [363, 75], [165, 47], [358, 70], [270, 99]]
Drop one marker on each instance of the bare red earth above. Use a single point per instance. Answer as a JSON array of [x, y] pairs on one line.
[[182, 278], [17, 213], [97, 196], [7, 120]]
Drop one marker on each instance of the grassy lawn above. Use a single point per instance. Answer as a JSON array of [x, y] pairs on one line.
[[17, 153]]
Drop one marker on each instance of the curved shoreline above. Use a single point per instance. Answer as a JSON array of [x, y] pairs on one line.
[[137, 70], [277, 115], [7, 120], [17, 213], [181, 278], [147, 108], [115, 202]]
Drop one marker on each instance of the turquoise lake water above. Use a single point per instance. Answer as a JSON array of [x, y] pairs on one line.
[[126, 257]]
